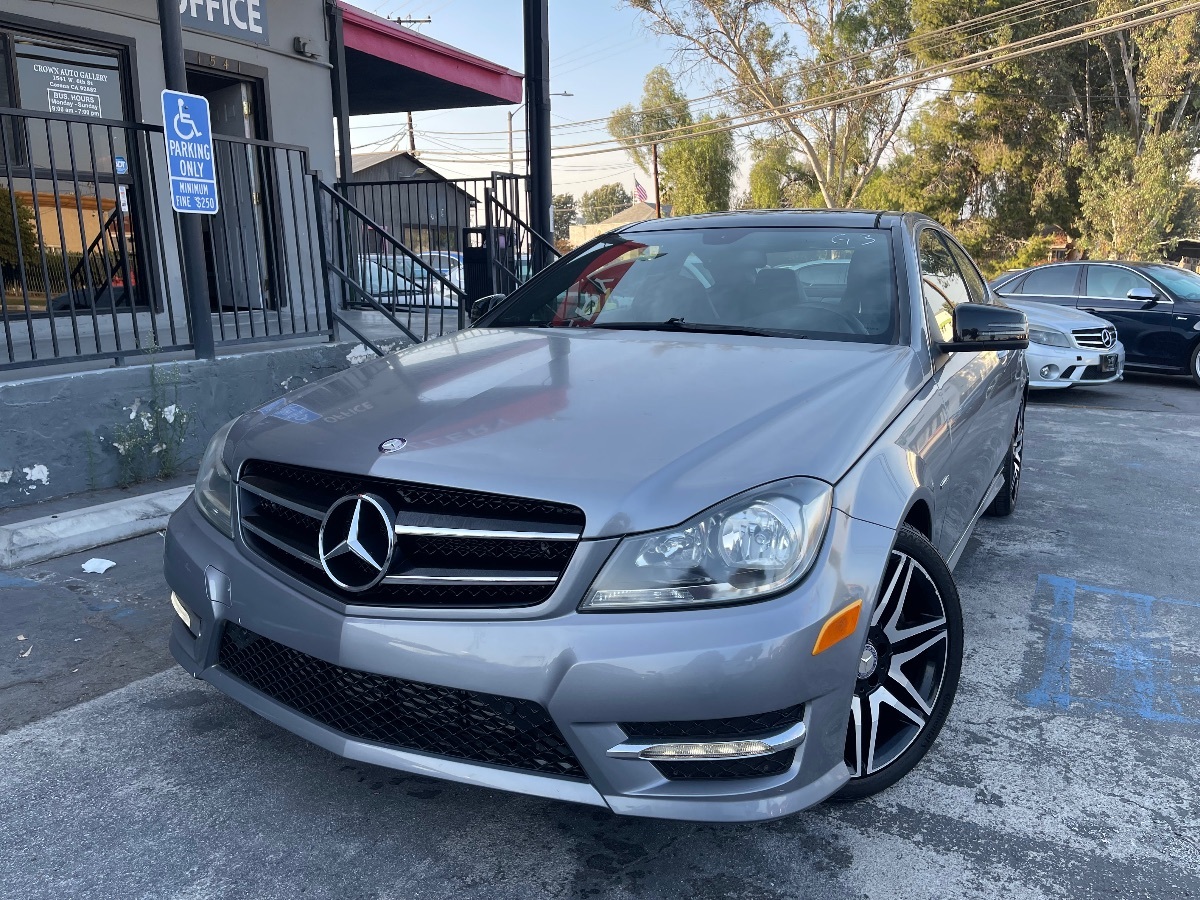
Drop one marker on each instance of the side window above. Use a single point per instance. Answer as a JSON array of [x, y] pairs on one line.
[[976, 289], [1111, 282], [942, 285], [1052, 281]]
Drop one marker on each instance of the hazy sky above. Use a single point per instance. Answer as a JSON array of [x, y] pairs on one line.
[[599, 52]]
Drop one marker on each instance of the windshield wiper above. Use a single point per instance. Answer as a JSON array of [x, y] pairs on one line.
[[678, 324]]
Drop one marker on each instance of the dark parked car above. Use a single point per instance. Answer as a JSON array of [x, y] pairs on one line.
[[1154, 306]]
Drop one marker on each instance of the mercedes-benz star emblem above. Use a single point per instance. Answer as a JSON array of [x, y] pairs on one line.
[[1109, 337], [392, 445], [357, 541]]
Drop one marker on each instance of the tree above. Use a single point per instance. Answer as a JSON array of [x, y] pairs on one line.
[[564, 214], [23, 235], [695, 174], [1091, 138], [769, 54], [605, 201]]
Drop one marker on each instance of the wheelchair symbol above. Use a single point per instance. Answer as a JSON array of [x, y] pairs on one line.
[[182, 120]]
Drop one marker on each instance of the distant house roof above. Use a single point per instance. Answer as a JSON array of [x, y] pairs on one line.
[[638, 212], [418, 168]]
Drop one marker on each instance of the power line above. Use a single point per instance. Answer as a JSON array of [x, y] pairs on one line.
[[970, 62]]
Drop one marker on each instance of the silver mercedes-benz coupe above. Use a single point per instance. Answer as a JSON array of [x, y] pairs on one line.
[[669, 530]]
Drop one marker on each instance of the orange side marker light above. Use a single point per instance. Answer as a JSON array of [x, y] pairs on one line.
[[838, 627]]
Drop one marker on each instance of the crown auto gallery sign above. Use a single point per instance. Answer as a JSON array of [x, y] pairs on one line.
[[245, 19]]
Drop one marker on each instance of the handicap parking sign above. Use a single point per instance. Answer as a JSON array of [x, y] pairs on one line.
[[190, 159]]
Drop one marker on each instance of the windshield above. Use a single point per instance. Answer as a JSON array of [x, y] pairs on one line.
[[821, 283], [1180, 282]]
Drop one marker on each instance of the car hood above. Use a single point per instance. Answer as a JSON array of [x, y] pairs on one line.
[[638, 429], [1049, 315]]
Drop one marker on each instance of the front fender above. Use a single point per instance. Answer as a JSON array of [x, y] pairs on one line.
[[903, 468]]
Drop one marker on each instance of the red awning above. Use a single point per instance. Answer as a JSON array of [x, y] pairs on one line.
[[390, 68]]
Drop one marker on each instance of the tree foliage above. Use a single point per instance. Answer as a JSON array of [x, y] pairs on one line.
[[1092, 138], [695, 174], [22, 235], [603, 202], [564, 214], [769, 54]]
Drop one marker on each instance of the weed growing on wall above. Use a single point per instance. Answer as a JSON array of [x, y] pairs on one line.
[[150, 444]]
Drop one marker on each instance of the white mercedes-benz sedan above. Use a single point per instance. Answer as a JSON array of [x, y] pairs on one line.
[[1068, 346]]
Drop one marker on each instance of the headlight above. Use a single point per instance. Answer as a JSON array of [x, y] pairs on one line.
[[1049, 337], [214, 484], [752, 545]]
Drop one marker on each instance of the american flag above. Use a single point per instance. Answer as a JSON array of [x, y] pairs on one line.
[[639, 192]]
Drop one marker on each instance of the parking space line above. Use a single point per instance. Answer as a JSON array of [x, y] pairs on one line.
[[1110, 649]]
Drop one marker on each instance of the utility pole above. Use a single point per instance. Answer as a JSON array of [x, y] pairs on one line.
[[512, 163], [412, 136], [537, 114], [190, 234], [657, 195]]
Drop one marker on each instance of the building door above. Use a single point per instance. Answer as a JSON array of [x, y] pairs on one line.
[[239, 249]]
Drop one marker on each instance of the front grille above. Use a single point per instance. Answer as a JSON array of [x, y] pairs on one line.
[[735, 728], [453, 548], [1094, 338], [484, 728]]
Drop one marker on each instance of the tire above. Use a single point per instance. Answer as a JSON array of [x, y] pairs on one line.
[[915, 643], [1195, 369], [1006, 500]]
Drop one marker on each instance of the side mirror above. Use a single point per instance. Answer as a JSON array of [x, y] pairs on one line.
[[483, 306], [1146, 295], [979, 326]]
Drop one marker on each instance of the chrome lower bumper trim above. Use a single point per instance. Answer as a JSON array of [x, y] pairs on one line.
[[739, 748]]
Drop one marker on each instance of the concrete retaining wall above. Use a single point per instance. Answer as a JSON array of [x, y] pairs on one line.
[[58, 434]]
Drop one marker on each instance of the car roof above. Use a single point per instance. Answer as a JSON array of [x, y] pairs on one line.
[[776, 218]]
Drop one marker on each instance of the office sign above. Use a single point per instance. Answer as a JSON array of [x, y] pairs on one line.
[[245, 19], [190, 159]]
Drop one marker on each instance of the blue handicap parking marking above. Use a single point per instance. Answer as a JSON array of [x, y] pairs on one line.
[[294, 412], [15, 581], [1119, 651]]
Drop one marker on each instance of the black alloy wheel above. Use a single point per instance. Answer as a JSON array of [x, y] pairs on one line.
[[908, 671], [1006, 501]]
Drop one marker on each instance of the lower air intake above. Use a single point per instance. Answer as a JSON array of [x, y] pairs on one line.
[[409, 715]]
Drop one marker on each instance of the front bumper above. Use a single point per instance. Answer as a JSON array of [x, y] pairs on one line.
[[1071, 365], [589, 671]]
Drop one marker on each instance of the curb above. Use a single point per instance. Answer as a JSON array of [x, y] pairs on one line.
[[38, 540]]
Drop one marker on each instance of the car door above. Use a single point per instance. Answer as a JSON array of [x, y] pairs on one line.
[[966, 382], [1146, 327], [1056, 283]]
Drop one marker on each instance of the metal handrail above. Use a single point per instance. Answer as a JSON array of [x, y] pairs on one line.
[[349, 207], [512, 215]]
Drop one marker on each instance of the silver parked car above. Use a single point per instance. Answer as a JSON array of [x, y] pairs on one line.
[[660, 533], [1069, 347]]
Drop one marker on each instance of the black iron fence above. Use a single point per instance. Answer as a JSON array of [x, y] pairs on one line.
[[92, 262], [90, 257]]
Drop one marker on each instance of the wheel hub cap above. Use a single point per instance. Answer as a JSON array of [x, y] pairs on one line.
[[869, 661]]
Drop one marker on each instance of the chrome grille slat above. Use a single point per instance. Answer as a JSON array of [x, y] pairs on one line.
[[452, 546], [280, 542], [1093, 338], [428, 577], [483, 533], [283, 498]]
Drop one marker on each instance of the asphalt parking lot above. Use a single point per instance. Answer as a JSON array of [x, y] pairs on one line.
[[1068, 767]]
